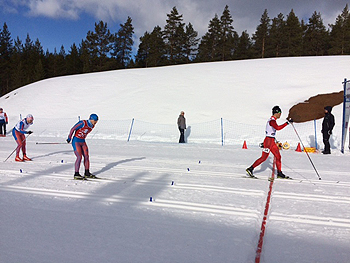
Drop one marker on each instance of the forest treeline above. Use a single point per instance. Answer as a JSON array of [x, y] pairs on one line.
[[24, 62]]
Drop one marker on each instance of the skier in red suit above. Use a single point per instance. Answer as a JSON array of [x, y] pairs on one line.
[[270, 144], [80, 131]]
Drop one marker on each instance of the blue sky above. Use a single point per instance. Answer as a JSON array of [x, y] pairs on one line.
[[64, 22]]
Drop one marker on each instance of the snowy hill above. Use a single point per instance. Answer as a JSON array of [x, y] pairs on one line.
[[241, 92]]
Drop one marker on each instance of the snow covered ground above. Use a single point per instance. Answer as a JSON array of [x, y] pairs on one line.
[[203, 208]]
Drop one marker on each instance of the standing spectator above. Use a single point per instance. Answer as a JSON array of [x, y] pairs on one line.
[[181, 123], [269, 144], [3, 121], [80, 131], [18, 133], [327, 127]]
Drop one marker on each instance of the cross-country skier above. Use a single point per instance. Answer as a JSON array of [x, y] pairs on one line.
[[18, 133], [3, 121], [327, 127], [80, 131], [270, 144]]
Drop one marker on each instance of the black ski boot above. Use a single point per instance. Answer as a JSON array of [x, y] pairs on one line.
[[77, 176], [282, 175], [87, 174], [249, 171]]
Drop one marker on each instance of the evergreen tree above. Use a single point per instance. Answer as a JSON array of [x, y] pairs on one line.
[[39, 72], [315, 39], [74, 63], [191, 43], [174, 35], [227, 33], [17, 75], [294, 36], [29, 60], [340, 34], [98, 46], [209, 46], [276, 36], [151, 52], [261, 35], [123, 43], [6, 50], [244, 46], [61, 62]]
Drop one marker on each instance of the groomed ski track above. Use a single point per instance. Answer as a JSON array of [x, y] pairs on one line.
[[194, 183]]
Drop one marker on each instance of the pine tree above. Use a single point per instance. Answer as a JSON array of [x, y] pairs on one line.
[[123, 43], [244, 47], [276, 36], [74, 63], [98, 46], [191, 43], [174, 35], [209, 49], [17, 75], [315, 39], [227, 33], [340, 34], [294, 36], [6, 50], [151, 52], [261, 35]]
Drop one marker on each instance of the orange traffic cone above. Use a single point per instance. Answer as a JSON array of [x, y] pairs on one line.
[[298, 148], [245, 145]]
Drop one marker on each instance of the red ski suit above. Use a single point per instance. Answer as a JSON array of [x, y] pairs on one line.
[[269, 143]]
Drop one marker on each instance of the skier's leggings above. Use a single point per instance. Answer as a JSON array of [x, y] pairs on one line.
[[269, 146], [80, 150], [21, 141]]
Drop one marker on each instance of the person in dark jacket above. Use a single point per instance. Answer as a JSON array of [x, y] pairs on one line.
[[181, 123], [327, 127]]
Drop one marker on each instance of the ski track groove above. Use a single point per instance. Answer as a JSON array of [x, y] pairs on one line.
[[181, 205], [195, 207]]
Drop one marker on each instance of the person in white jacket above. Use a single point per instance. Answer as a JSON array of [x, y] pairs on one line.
[[3, 121]]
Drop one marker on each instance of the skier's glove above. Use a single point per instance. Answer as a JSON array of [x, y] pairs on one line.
[[290, 120], [329, 132], [29, 132], [68, 140]]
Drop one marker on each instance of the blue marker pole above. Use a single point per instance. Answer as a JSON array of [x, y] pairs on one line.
[[132, 125]]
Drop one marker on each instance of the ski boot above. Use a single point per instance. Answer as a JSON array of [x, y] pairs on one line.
[[249, 171], [77, 176], [87, 174], [282, 175], [18, 159], [26, 158]]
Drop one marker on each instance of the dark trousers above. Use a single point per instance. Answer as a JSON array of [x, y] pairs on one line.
[[182, 135], [2, 127], [327, 146]]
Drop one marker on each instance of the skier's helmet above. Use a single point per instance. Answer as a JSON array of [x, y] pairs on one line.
[[276, 109], [93, 117], [30, 117]]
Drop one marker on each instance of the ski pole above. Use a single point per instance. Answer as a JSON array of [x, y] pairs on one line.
[[18, 146], [319, 178], [50, 143]]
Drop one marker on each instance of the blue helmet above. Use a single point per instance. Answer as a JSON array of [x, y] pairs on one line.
[[93, 117]]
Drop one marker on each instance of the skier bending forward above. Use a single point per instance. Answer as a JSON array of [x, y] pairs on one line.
[[269, 143], [80, 131]]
